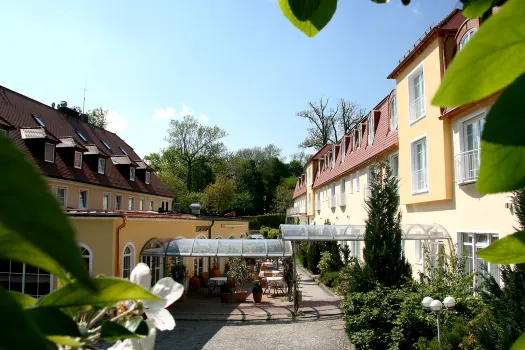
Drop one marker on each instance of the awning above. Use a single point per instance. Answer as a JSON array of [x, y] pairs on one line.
[[246, 248]]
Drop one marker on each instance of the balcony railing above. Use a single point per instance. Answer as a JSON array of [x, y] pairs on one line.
[[466, 165], [417, 108], [318, 205], [419, 181], [341, 199], [332, 201], [296, 211]]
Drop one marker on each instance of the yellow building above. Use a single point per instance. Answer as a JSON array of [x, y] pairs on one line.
[[115, 201]]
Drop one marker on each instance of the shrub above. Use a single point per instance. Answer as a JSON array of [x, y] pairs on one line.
[[257, 288], [313, 256], [271, 220], [330, 278], [325, 262], [273, 233]]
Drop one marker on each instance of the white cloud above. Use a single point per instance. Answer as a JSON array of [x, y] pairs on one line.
[[185, 111], [116, 122], [415, 9], [204, 119], [163, 113]]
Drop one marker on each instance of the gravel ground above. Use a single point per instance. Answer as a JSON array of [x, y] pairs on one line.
[[325, 334]]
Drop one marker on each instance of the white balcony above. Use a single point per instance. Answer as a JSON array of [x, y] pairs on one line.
[[417, 108], [341, 199], [295, 211], [419, 181], [332, 201], [466, 166], [318, 205]]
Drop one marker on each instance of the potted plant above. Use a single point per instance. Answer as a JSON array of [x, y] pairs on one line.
[[195, 283], [257, 293], [215, 271], [179, 273], [226, 294], [241, 272]]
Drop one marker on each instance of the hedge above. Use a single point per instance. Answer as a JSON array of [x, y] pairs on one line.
[[270, 220]]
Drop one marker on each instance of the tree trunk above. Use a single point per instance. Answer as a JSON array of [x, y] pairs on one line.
[[189, 177]]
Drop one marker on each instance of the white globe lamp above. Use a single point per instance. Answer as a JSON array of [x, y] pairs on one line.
[[436, 305], [426, 302], [449, 302]]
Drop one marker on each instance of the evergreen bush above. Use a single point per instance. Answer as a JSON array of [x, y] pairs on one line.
[[270, 220]]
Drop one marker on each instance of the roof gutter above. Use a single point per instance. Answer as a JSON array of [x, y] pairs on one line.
[[117, 268]]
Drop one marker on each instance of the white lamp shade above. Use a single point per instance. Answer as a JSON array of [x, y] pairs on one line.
[[449, 302], [436, 305], [426, 302]]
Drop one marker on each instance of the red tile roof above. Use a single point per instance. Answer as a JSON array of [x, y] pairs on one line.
[[384, 140], [300, 187], [17, 109]]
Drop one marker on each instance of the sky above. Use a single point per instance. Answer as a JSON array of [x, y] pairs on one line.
[[237, 64]]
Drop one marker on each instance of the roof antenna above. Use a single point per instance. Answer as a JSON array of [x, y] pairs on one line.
[[85, 89]]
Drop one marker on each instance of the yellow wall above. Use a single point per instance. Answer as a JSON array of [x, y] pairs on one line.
[[437, 131], [95, 195]]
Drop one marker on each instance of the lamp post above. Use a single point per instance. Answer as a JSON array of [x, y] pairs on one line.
[[437, 307]]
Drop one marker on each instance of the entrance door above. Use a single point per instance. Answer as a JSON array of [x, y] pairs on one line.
[[156, 265]]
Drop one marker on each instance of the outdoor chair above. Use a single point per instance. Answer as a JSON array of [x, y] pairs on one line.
[[264, 284]]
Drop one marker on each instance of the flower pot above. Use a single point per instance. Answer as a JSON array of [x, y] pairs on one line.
[[241, 296], [226, 297], [230, 282], [205, 276], [257, 297], [195, 284], [215, 272]]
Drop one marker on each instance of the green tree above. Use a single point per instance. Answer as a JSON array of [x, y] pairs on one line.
[[194, 145], [384, 259], [283, 199], [98, 117], [221, 196]]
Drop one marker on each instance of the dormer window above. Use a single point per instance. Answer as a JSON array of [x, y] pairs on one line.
[[82, 136], [343, 149], [132, 173], [106, 144], [101, 165], [78, 160], [371, 129], [148, 177], [38, 120], [123, 151], [393, 113], [49, 155], [360, 135], [466, 38]]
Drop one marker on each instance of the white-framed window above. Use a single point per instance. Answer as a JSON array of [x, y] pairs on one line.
[[87, 256], [467, 163], [418, 252], [49, 152], [343, 149], [78, 160], [25, 279], [128, 260], [101, 165], [142, 204], [352, 183], [359, 134], [466, 38], [106, 201], [132, 173], [118, 202], [469, 244], [148, 177], [309, 198], [357, 181], [371, 128], [151, 204], [393, 161], [83, 199], [156, 265], [62, 196], [419, 155], [393, 113], [355, 249], [342, 187], [131, 203], [416, 94]]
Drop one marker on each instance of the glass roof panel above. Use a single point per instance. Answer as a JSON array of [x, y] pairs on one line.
[[321, 232], [180, 247], [205, 247], [294, 232], [155, 246], [254, 247], [229, 247], [275, 247]]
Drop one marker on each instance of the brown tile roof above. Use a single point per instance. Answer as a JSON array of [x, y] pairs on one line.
[[385, 140], [94, 150], [300, 187], [17, 110], [69, 142], [122, 160]]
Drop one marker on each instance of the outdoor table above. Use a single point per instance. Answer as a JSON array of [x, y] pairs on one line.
[[274, 273], [216, 282], [276, 283]]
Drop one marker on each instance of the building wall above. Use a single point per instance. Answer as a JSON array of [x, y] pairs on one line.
[[310, 200], [96, 193], [437, 131]]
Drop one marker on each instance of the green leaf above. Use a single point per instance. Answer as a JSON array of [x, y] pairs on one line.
[[109, 291], [23, 299], [112, 331], [316, 20], [519, 344], [14, 247], [18, 331], [137, 325], [304, 9], [493, 58], [508, 250], [29, 210], [62, 340], [52, 321], [476, 8]]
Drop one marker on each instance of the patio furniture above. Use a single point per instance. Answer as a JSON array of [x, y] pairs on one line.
[[267, 273], [215, 283], [264, 284], [276, 283]]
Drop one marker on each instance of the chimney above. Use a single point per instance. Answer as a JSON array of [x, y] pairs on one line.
[[53, 105], [195, 208]]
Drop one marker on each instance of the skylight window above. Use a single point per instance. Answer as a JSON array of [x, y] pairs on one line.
[[123, 150], [38, 120], [82, 136], [106, 144]]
